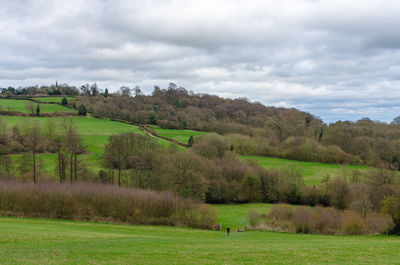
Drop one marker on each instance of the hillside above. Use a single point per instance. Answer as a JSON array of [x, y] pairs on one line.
[[255, 129]]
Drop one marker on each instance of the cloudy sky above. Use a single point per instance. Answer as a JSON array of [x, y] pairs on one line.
[[337, 59]]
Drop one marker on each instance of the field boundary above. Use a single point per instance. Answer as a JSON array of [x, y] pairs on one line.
[[153, 133]]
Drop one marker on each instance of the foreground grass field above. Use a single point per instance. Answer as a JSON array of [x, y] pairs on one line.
[[22, 106], [313, 172], [36, 241]]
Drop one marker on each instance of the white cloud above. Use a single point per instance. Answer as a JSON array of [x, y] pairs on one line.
[[336, 59]]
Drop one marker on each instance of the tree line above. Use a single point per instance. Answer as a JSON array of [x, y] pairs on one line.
[[255, 129], [30, 138]]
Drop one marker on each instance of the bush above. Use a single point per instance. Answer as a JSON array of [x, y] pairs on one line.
[[280, 218], [82, 110], [303, 219], [378, 224], [352, 224], [97, 202], [254, 218], [321, 220]]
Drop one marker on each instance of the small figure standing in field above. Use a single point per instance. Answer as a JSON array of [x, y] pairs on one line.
[[228, 230]]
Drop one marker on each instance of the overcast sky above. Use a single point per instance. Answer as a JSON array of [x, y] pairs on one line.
[[338, 59]]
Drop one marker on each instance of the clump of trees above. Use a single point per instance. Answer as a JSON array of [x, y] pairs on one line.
[[31, 138], [55, 89]]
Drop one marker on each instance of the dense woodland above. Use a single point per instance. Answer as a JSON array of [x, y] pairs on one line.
[[210, 170]]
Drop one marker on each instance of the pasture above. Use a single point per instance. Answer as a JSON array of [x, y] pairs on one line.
[[52, 99], [234, 215], [178, 135], [95, 133], [22, 106], [312, 172], [39, 241]]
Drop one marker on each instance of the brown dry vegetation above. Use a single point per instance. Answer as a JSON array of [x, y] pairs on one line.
[[99, 202], [319, 220]]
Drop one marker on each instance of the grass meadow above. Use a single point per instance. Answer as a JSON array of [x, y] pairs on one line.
[[22, 106], [234, 215], [52, 99], [312, 172], [178, 135], [39, 241], [95, 133]]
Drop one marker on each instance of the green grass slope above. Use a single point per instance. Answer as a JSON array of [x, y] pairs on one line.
[[313, 172], [52, 99], [21, 106], [95, 134], [178, 135], [234, 215], [36, 241]]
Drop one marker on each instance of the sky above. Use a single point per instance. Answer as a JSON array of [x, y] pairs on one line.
[[337, 59]]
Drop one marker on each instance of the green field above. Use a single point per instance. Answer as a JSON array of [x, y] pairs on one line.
[[234, 215], [52, 99], [22, 106], [38, 241], [313, 172], [178, 135], [95, 134]]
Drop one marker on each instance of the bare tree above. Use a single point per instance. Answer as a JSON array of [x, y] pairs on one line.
[[56, 138], [30, 107], [74, 147], [33, 141]]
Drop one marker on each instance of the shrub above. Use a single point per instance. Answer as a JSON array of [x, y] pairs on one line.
[[321, 220], [351, 223], [303, 219], [378, 224], [326, 220], [279, 218], [97, 202], [82, 110], [254, 218]]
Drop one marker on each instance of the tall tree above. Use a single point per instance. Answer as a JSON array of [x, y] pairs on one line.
[[38, 110], [30, 107], [85, 90], [82, 110], [125, 91], [56, 137], [33, 141], [94, 90], [74, 147], [114, 153]]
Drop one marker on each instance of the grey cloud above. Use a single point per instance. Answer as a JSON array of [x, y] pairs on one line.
[[336, 59]]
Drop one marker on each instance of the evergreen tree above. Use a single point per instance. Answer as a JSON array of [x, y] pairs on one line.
[[38, 110], [191, 140], [64, 101], [106, 93], [82, 110]]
